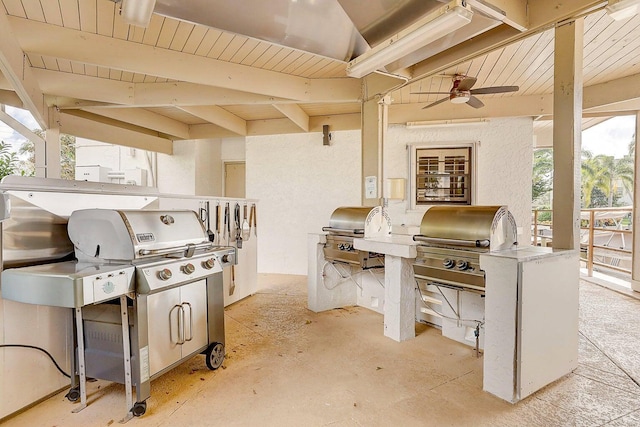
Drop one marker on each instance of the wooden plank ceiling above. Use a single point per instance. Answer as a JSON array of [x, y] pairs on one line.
[[178, 80]]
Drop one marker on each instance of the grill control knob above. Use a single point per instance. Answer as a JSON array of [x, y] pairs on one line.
[[448, 263], [208, 264], [226, 258], [188, 268], [164, 274], [462, 265]]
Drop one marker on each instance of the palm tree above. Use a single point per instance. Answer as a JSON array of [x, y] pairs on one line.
[[606, 174], [542, 172]]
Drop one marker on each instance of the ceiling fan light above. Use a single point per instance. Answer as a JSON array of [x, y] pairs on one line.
[[460, 99], [460, 96]]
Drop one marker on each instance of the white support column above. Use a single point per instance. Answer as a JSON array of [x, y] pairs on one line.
[[567, 133], [635, 266], [399, 298], [52, 152]]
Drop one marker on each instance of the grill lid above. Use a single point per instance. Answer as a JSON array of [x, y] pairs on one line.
[[129, 235], [349, 218], [482, 226]]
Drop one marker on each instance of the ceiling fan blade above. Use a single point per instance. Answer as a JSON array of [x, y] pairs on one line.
[[466, 83], [430, 93], [494, 89], [440, 101], [475, 102]]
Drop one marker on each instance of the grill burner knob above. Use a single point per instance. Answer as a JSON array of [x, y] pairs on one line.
[[462, 265], [208, 264], [188, 268], [448, 263], [164, 274]]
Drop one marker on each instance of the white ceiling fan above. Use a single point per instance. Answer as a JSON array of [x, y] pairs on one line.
[[461, 92]]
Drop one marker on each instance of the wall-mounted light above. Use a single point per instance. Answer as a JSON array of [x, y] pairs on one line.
[[137, 12], [447, 123], [432, 27], [623, 9], [326, 135]]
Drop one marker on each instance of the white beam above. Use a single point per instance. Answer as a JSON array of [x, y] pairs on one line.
[[9, 97], [635, 248], [508, 106], [86, 128], [89, 48], [188, 94], [84, 87], [600, 95], [15, 68], [144, 118], [52, 152], [295, 114], [219, 116]]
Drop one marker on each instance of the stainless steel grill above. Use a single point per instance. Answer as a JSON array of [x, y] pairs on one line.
[[178, 309], [345, 224], [452, 238], [165, 273]]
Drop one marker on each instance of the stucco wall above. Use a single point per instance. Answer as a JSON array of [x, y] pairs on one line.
[[504, 157], [299, 182]]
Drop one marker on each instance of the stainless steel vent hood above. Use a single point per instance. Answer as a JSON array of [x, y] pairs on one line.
[[339, 29]]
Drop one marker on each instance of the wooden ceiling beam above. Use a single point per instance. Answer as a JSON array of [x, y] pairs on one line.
[[14, 66], [295, 114], [86, 125], [59, 42], [88, 88], [9, 97], [220, 117], [512, 106], [144, 118]]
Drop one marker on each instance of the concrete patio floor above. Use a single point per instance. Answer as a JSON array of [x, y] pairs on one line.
[[288, 366]]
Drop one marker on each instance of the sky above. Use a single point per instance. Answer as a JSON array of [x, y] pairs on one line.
[[610, 137], [12, 137]]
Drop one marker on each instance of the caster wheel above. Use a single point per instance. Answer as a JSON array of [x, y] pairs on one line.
[[214, 356], [139, 408], [73, 395]]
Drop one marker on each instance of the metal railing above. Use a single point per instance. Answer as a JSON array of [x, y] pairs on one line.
[[605, 237]]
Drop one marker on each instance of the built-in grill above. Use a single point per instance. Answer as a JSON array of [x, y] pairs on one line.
[[167, 277], [452, 238], [345, 224]]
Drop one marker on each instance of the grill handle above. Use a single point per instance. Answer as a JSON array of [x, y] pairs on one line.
[[457, 242], [352, 233], [187, 250]]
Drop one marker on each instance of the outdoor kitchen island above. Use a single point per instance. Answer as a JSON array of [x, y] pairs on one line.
[[519, 338]]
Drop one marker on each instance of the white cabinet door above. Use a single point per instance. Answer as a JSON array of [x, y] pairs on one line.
[[193, 298]]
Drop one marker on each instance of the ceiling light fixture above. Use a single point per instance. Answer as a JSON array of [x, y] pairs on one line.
[[623, 9], [137, 12], [432, 27]]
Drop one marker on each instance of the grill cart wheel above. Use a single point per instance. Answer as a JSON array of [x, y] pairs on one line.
[[139, 408], [214, 355], [73, 395]]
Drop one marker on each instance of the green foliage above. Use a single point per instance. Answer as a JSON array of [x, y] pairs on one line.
[[8, 160], [542, 172], [602, 178], [67, 155]]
